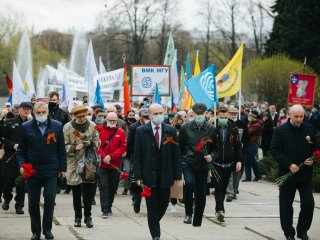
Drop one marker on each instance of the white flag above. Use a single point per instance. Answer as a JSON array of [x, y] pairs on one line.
[[65, 90], [102, 69], [28, 84], [18, 92], [90, 72], [174, 79]]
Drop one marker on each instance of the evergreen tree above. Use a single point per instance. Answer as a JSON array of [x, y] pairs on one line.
[[296, 31]]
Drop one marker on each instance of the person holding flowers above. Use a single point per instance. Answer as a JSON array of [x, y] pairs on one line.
[[81, 140], [156, 165], [42, 146], [198, 144], [113, 146], [293, 146]]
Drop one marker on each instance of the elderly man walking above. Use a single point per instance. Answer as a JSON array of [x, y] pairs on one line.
[[156, 164], [292, 144], [42, 145]]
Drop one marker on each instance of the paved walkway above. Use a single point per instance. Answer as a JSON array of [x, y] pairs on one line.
[[253, 216]]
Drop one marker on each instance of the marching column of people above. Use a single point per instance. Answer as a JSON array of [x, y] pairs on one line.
[[157, 148]]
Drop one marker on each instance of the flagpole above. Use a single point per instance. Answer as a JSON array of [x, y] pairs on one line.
[[240, 95], [215, 114], [304, 64]]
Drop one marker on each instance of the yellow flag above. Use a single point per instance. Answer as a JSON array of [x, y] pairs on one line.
[[229, 79], [196, 66], [25, 85]]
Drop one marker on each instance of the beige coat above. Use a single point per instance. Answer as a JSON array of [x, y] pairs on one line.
[[72, 138]]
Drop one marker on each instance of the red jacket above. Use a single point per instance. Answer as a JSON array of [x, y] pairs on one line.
[[116, 147]]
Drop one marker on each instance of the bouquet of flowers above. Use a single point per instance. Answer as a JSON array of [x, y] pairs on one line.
[[146, 192], [123, 175], [29, 171], [202, 147], [281, 180]]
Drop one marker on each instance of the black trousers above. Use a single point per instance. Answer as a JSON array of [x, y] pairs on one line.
[[86, 191], [8, 184], [195, 182], [157, 205], [286, 198], [221, 186], [108, 180], [49, 194]]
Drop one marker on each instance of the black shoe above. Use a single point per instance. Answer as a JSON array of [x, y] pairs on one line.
[[229, 199], [303, 236], [67, 191], [125, 191], [5, 205], [48, 235], [19, 211], [109, 212], [77, 222], [246, 180], [256, 179], [136, 208], [35, 236], [88, 222], [187, 220], [156, 238], [290, 238]]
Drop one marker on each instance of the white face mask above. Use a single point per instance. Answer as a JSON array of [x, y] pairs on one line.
[[111, 125], [89, 118], [41, 118]]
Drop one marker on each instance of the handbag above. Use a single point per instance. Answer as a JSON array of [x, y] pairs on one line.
[[87, 165]]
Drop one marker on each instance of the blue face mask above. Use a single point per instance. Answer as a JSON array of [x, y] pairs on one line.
[[199, 119], [222, 121], [41, 118], [157, 119]]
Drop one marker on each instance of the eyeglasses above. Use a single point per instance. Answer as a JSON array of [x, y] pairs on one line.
[[111, 121]]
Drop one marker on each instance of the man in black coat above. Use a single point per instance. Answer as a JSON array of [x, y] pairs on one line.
[[292, 144], [55, 112], [235, 178], [10, 171], [136, 190], [230, 157], [42, 145], [157, 164], [195, 163]]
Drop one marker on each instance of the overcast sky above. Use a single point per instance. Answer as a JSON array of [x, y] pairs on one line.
[[81, 14], [66, 14]]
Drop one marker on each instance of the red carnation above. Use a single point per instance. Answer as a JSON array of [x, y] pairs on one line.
[[124, 175], [29, 171], [146, 191]]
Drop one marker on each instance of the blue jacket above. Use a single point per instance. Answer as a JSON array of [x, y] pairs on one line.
[[46, 153]]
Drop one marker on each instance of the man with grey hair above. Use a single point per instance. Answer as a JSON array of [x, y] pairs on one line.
[[120, 123], [293, 143], [113, 146], [42, 146]]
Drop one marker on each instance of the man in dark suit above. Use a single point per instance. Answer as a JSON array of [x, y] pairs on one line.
[[136, 190], [42, 145], [10, 171], [292, 144], [157, 164]]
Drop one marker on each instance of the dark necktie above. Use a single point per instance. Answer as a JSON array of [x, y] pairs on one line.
[[156, 136]]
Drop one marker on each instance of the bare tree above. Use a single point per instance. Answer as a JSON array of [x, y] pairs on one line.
[[10, 23], [256, 23], [134, 19], [207, 15], [231, 13]]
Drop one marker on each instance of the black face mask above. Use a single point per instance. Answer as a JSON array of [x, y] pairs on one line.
[[53, 106], [131, 120], [178, 127]]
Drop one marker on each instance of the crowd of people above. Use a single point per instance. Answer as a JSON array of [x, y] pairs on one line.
[[194, 151]]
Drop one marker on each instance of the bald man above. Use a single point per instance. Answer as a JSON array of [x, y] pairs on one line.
[[113, 146], [292, 144], [156, 164]]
